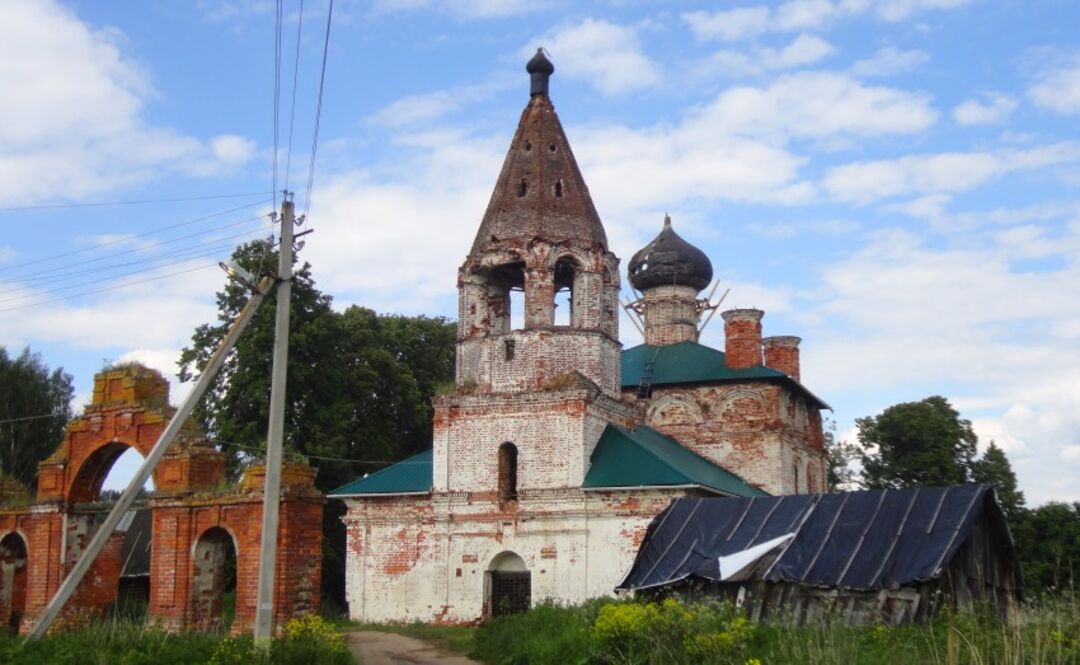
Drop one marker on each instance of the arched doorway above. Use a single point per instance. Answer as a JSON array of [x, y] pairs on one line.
[[509, 585], [12, 579], [214, 587]]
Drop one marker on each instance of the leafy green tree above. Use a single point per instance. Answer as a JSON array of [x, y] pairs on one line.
[[28, 389], [916, 444], [994, 469], [1048, 545]]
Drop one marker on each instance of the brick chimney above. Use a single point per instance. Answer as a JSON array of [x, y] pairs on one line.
[[742, 337], [782, 354]]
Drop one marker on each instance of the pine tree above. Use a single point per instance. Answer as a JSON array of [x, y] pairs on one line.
[[995, 470]]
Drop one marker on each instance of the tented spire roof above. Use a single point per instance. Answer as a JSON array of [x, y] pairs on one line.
[[540, 192]]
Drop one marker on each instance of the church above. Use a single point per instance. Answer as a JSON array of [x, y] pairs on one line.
[[557, 447]]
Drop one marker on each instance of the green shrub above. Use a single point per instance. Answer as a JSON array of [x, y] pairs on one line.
[[548, 634]]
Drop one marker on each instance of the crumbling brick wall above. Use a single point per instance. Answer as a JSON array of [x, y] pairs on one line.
[[130, 410]]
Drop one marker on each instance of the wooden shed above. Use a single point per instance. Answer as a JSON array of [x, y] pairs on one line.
[[892, 556]]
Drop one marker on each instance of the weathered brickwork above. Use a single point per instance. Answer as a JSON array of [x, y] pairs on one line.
[[671, 314], [196, 520], [760, 431]]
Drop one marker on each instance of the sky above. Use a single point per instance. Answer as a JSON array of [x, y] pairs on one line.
[[895, 181]]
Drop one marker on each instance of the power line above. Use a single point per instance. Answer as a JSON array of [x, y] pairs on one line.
[[256, 449], [277, 93], [104, 204], [108, 288], [165, 241], [292, 110], [25, 418], [107, 278], [128, 238], [318, 108], [193, 250]]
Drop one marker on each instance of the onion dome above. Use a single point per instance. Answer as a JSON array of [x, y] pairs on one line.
[[540, 70], [669, 261]]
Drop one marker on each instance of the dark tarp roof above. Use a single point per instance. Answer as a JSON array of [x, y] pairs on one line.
[[858, 540], [644, 457], [690, 362], [409, 476]]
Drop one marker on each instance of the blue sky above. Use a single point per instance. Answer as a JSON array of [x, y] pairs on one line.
[[895, 180]]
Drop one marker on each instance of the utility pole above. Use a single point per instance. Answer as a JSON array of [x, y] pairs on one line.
[[264, 602], [71, 582]]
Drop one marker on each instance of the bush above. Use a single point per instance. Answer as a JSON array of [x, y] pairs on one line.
[[548, 634]]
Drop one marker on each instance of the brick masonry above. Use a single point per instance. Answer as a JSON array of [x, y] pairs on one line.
[[196, 520]]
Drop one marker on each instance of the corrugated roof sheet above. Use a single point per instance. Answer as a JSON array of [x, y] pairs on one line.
[[859, 540], [410, 476], [645, 457], [690, 362]]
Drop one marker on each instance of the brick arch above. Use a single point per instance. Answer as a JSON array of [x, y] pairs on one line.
[[210, 553], [660, 409], [14, 564], [88, 477]]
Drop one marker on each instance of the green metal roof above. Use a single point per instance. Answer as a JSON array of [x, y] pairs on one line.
[[690, 362], [410, 476], [646, 458]]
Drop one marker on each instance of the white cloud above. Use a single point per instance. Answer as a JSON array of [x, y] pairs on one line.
[[901, 313], [607, 55], [890, 61], [864, 182], [1057, 88], [430, 106], [825, 227], [75, 127], [996, 108], [820, 105], [795, 15], [804, 49]]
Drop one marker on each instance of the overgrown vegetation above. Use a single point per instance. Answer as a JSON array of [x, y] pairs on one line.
[[608, 632], [304, 642]]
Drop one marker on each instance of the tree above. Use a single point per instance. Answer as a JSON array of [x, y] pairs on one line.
[[995, 470], [916, 444], [840, 457], [1048, 545], [35, 406]]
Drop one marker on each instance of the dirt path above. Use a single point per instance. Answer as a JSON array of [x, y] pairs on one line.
[[375, 648]]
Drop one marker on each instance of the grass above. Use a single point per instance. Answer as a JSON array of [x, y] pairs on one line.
[[607, 632], [127, 642]]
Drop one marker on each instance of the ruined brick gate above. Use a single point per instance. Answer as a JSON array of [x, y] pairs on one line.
[[203, 529]]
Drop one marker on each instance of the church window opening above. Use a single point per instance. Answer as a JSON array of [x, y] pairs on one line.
[[508, 472], [552, 147], [523, 188], [565, 274], [506, 298], [509, 350], [558, 188], [528, 146]]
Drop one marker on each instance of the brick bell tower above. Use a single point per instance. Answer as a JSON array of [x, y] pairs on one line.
[[536, 381], [539, 240]]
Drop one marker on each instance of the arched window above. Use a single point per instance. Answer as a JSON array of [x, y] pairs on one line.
[[565, 273], [508, 472]]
